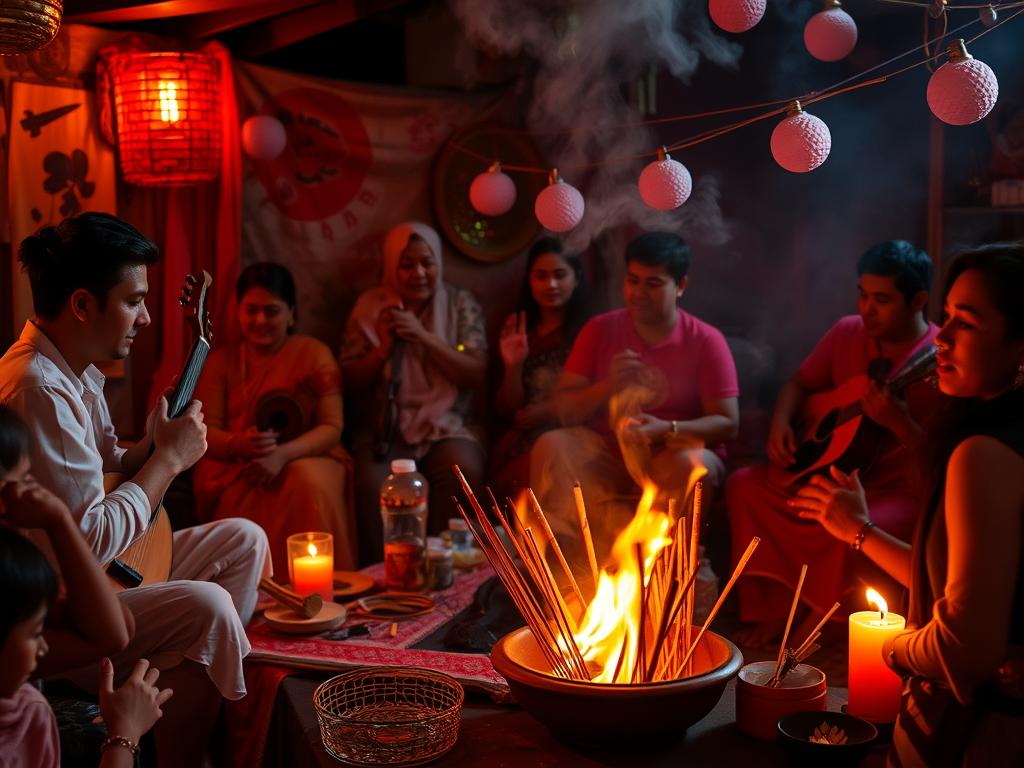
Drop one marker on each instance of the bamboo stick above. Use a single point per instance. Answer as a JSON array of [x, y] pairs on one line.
[[789, 621], [737, 571], [549, 535], [820, 625], [642, 594], [698, 497], [588, 542]]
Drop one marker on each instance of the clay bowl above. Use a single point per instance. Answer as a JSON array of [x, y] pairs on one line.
[[796, 728], [615, 715]]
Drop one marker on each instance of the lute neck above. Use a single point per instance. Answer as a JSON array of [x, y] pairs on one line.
[[186, 385]]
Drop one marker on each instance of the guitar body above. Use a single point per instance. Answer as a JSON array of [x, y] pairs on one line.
[[827, 433], [151, 554]]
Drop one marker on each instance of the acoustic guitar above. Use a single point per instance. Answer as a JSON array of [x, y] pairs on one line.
[[832, 427], [147, 560]]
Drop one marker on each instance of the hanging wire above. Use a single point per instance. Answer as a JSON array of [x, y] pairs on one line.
[[780, 105]]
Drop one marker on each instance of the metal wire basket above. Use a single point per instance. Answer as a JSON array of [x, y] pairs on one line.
[[389, 715]]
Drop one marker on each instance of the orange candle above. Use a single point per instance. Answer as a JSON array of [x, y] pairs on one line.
[[874, 688], [314, 573]]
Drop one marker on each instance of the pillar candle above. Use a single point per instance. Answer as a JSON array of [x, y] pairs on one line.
[[314, 573], [874, 688]]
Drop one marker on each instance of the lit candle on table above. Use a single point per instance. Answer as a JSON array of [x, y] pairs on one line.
[[874, 688], [314, 573]]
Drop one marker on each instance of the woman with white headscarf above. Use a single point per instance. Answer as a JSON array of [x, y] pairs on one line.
[[416, 348]]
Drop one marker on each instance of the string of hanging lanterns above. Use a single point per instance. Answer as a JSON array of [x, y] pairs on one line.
[[960, 92]]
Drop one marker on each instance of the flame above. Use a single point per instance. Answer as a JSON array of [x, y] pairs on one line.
[[878, 601], [311, 548], [609, 633]]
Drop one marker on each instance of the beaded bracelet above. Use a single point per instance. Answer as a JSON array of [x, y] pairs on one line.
[[120, 741], [858, 540]]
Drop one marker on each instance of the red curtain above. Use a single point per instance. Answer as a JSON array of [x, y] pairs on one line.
[[196, 228]]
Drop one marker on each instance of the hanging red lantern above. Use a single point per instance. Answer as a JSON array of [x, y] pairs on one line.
[[736, 15], [831, 34], [963, 90], [801, 142], [665, 184], [492, 192], [168, 117], [559, 206], [28, 25]]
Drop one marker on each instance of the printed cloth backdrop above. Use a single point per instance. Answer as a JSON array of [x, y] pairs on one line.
[[358, 160]]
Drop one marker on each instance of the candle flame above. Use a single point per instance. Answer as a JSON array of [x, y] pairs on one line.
[[879, 601], [311, 548]]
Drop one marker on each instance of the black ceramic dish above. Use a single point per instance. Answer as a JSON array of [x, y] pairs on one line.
[[796, 729]]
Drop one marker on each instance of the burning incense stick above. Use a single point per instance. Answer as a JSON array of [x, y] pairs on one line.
[[581, 512], [698, 496], [550, 536], [737, 571], [789, 621]]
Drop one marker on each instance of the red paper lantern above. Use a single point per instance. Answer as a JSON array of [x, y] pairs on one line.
[[736, 15], [831, 34], [665, 184], [801, 142], [168, 117], [559, 206], [963, 90], [492, 192]]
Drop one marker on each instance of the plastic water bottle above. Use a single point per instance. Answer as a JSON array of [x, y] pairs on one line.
[[403, 511]]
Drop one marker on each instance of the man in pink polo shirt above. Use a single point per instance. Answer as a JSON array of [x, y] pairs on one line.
[[648, 392], [888, 330]]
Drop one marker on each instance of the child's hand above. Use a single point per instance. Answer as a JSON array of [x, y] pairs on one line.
[[133, 708], [26, 504]]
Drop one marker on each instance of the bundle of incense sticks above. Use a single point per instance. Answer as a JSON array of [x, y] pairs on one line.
[[788, 658], [666, 641]]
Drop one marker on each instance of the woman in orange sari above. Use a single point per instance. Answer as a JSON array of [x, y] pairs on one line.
[[274, 416]]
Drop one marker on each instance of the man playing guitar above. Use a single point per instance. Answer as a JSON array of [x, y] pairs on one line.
[[89, 283], [888, 330]]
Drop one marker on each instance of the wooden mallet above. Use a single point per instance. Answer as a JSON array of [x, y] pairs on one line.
[[308, 606]]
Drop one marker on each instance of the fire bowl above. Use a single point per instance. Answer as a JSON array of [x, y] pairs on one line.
[[614, 714]]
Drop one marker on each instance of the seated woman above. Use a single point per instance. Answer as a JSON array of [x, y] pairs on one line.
[[274, 416], [40, 633], [415, 347], [534, 344], [963, 660]]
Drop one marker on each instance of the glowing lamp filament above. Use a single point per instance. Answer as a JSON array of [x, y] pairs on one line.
[[169, 102]]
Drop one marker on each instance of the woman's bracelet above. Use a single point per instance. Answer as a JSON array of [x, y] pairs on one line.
[[858, 540], [120, 741]]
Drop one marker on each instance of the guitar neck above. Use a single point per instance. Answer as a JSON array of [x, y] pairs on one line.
[[186, 385]]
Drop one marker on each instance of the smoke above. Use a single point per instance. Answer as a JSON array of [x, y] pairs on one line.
[[584, 57]]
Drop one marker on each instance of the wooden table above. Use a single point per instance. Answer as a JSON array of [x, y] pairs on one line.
[[495, 736]]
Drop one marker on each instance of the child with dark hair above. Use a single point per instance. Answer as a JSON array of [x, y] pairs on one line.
[[86, 624]]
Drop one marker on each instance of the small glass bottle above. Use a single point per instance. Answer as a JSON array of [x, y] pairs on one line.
[[403, 511]]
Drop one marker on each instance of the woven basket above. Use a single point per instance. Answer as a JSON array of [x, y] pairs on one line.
[[389, 715]]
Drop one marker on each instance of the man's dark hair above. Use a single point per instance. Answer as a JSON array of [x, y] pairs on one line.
[[909, 265], [665, 249], [90, 251]]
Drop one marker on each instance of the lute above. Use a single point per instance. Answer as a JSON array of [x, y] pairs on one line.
[[147, 560]]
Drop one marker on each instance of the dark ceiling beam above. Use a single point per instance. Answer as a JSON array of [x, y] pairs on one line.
[[211, 24], [111, 12], [271, 35]]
